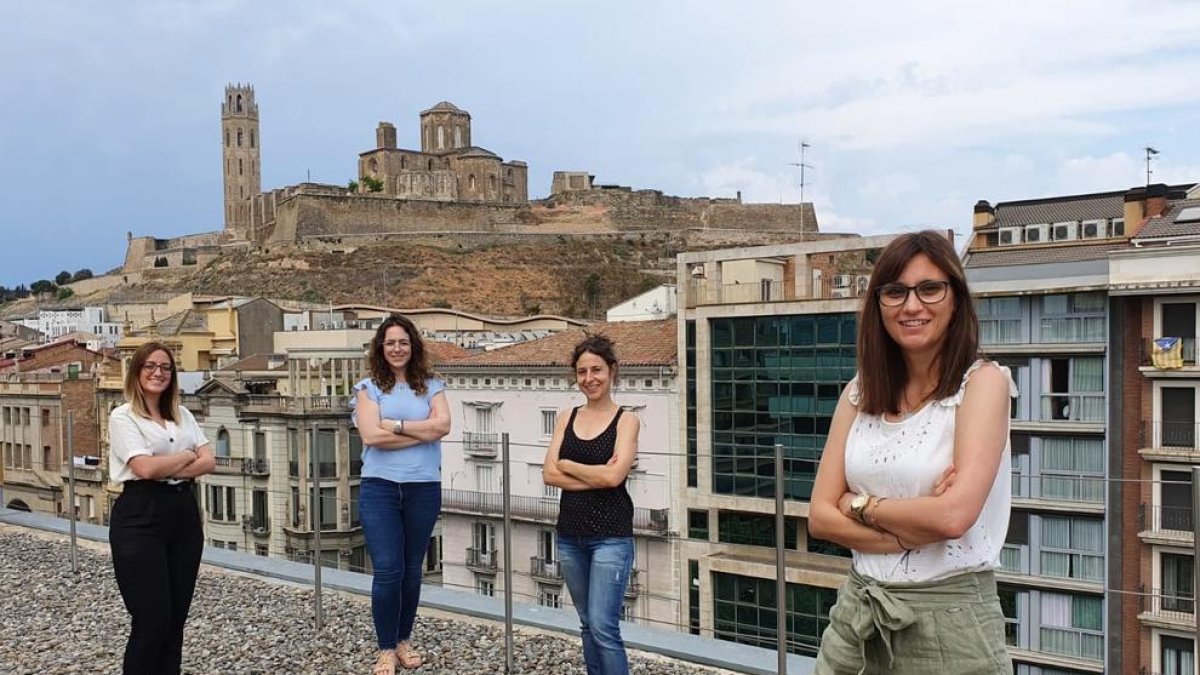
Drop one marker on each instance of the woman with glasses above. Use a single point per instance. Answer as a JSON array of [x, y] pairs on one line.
[[402, 414], [914, 478], [156, 450]]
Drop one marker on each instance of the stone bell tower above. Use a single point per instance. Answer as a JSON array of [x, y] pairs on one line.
[[240, 157]]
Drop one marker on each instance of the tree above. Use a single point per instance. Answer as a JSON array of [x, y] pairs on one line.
[[64, 293], [352, 185], [43, 286], [82, 274], [372, 184], [63, 277]]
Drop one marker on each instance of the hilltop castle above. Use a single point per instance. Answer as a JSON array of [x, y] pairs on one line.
[[448, 190]]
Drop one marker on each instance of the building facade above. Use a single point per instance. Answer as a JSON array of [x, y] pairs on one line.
[[768, 339]]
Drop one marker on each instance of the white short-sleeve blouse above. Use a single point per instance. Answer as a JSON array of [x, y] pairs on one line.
[[131, 435], [902, 460]]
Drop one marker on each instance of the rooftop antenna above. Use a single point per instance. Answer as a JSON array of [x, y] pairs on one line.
[[1150, 153], [804, 146]]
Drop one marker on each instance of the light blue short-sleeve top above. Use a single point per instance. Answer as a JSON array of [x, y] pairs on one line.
[[417, 464]]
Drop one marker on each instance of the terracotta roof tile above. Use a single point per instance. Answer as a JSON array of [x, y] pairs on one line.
[[638, 343], [1022, 255], [1167, 225], [444, 352]]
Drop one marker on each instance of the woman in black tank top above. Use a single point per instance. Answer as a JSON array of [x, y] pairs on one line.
[[593, 449]]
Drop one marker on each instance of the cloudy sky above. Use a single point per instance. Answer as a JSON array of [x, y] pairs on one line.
[[109, 112]]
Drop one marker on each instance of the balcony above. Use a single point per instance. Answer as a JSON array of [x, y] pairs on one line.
[[297, 405], [634, 587], [256, 467], [1073, 407], [1174, 437], [481, 561], [545, 570], [1168, 609], [1073, 642], [1073, 330], [1187, 352], [650, 522], [1059, 491], [228, 466], [485, 446], [259, 526], [701, 292], [1166, 525]]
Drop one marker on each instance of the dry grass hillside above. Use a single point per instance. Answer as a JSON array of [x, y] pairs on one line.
[[574, 277]]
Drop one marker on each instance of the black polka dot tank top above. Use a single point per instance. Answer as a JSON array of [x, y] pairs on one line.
[[599, 512]]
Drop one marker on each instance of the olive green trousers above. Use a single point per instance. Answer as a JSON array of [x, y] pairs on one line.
[[946, 627]]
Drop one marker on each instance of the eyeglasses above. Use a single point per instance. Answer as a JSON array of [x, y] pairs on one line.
[[929, 292], [164, 368]]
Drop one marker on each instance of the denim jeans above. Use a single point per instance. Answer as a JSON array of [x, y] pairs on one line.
[[397, 520], [596, 570]]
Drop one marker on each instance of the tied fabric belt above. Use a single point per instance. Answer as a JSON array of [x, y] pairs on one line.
[[880, 610]]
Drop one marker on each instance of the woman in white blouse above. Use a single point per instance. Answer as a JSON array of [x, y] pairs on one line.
[[156, 449], [914, 478]]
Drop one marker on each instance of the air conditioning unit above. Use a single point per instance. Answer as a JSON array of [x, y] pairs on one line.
[[1092, 229], [1010, 236], [841, 280], [1118, 227], [843, 292], [1037, 234], [1065, 231]]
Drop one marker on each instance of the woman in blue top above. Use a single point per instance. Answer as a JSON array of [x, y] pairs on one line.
[[402, 415]]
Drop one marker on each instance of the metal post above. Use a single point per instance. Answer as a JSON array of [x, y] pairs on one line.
[[1195, 537], [316, 521], [506, 496], [71, 489], [780, 566]]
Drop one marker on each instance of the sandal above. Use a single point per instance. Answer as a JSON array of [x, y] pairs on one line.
[[410, 659], [385, 663]]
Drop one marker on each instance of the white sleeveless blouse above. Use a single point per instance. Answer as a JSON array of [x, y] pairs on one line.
[[902, 460]]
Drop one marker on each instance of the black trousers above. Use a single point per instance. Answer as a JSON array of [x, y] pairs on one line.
[[156, 539]]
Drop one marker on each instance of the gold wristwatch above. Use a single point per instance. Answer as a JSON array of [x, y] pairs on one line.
[[858, 505]]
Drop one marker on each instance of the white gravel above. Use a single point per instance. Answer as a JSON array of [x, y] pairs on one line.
[[53, 622]]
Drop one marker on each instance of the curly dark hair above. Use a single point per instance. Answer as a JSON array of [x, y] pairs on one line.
[[418, 370], [598, 344]]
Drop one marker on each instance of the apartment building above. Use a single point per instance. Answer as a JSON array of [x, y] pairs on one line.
[[1155, 292], [768, 338], [519, 390], [1077, 585]]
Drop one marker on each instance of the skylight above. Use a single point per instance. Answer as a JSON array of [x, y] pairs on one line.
[[1189, 215]]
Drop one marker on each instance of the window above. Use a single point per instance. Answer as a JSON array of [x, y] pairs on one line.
[[1071, 625], [227, 138], [458, 137], [252, 138], [260, 445], [485, 478], [355, 519], [328, 508], [1178, 417], [326, 453], [1178, 589], [230, 502], [551, 492], [261, 549], [293, 453], [754, 529], [1073, 548], [239, 138], [25, 416], [1077, 317], [1175, 496], [471, 181], [550, 595], [1177, 655], [999, 320], [483, 420], [485, 585], [45, 417], [694, 597], [744, 611], [1074, 389], [222, 449], [239, 166], [549, 417], [441, 137], [295, 507], [433, 555], [1010, 607], [258, 506], [356, 452], [697, 524], [1073, 469], [483, 537], [216, 503]]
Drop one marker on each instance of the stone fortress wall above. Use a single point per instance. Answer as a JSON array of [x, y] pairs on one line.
[[449, 193]]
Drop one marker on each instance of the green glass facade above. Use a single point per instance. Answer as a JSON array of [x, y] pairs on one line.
[[775, 379], [690, 368], [744, 611]]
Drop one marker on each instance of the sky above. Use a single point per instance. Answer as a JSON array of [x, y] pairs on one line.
[[913, 111]]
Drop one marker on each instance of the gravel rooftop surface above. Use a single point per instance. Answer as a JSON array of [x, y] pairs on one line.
[[53, 622]]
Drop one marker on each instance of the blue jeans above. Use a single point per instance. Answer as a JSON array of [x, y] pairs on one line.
[[397, 520], [596, 570]]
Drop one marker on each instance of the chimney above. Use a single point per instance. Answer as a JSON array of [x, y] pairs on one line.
[[984, 216], [1143, 203], [1156, 200], [385, 136]]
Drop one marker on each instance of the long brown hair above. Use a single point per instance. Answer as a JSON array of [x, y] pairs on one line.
[[882, 371], [168, 403], [418, 368]]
